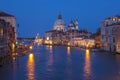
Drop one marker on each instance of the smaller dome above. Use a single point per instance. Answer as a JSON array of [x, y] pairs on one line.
[[73, 25]]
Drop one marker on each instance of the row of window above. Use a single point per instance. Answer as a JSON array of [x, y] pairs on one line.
[[108, 39]]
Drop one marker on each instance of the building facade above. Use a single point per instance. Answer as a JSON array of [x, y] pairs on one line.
[[7, 35], [110, 34], [62, 35]]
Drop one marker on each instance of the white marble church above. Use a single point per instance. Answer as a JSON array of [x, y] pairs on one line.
[[59, 24]]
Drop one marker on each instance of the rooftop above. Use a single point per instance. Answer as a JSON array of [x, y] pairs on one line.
[[116, 16], [3, 14]]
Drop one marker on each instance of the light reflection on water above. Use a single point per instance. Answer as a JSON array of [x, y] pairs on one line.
[[50, 48], [87, 67], [50, 60], [68, 51], [63, 63], [31, 67]]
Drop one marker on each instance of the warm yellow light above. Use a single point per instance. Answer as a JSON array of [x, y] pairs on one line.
[[119, 19], [87, 46], [68, 44], [68, 50], [87, 51], [87, 67], [13, 47], [31, 47], [31, 55], [31, 67], [50, 42], [1, 32]]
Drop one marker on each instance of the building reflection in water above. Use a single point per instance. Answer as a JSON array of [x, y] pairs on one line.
[[31, 67], [87, 66], [118, 64], [68, 51]]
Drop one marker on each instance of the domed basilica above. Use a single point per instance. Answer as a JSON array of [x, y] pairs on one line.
[[59, 25]]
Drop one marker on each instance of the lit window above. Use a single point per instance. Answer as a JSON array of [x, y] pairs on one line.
[[1, 32], [113, 19], [47, 38], [119, 19]]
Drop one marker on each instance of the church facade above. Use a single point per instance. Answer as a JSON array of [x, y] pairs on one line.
[[62, 35]]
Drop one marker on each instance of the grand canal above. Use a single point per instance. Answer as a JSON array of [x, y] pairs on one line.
[[62, 63]]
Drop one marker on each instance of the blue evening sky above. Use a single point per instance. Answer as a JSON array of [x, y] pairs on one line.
[[38, 16]]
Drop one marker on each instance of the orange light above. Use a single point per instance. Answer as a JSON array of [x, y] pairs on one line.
[[68, 50], [31, 47], [31, 67], [50, 42], [68, 44], [87, 67]]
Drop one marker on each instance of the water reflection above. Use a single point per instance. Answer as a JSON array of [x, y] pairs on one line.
[[87, 67], [68, 51], [50, 48], [50, 61], [47, 47], [30, 67], [15, 66], [68, 70]]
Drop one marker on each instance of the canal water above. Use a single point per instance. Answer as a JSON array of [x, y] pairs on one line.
[[62, 63]]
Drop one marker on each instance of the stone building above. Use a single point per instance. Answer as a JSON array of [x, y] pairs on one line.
[[7, 35], [62, 35], [55, 36], [110, 34]]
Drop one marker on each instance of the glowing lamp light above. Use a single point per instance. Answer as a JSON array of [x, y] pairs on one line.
[[47, 38], [51, 42], [68, 44], [31, 47]]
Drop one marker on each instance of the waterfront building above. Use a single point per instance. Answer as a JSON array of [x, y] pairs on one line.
[[38, 40], [62, 35], [7, 35], [97, 37], [110, 34], [9, 18], [55, 36], [98, 41], [49, 37], [82, 42]]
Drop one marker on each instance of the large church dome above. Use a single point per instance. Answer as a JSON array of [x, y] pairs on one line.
[[59, 24]]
